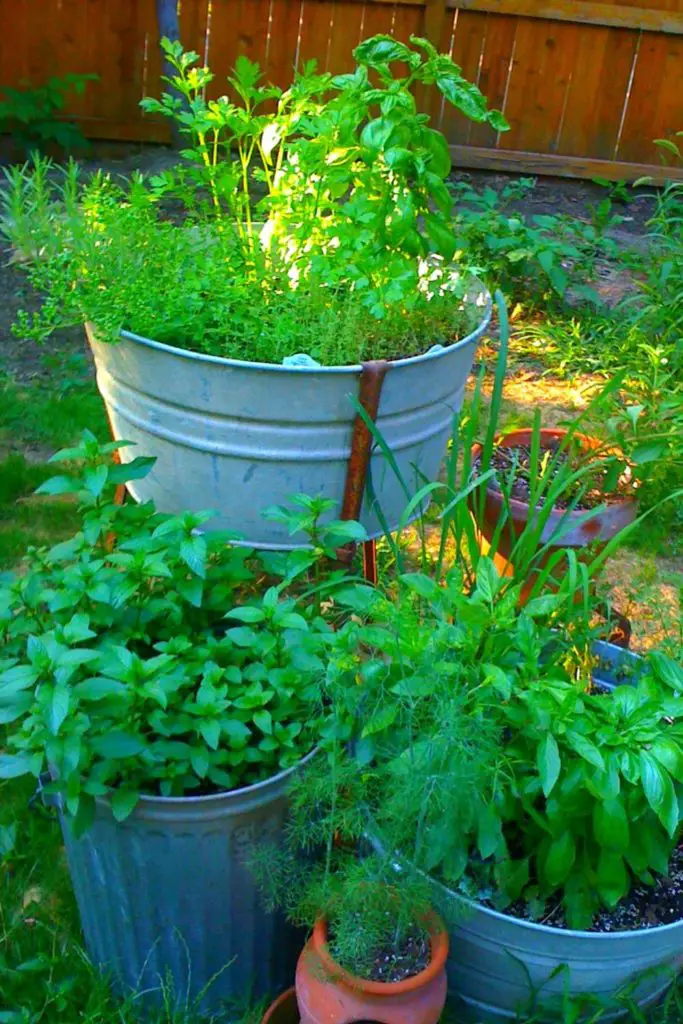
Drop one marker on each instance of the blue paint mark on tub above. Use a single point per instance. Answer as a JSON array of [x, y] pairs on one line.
[[249, 473], [215, 469]]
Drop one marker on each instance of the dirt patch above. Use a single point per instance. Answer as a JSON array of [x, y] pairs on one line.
[[648, 590]]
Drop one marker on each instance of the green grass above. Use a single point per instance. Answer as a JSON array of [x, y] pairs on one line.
[[49, 414], [36, 419], [24, 519], [45, 976]]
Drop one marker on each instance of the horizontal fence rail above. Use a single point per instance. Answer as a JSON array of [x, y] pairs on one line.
[[586, 86]]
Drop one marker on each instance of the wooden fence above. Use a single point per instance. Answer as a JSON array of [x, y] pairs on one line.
[[585, 86]]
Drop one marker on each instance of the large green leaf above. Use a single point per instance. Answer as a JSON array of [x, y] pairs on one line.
[[123, 803], [58, 708], [659, 791], [668, 670], [211, 732], [669, 755], [99, 688], [559, 859], [246, 613], [14, 765], [136, 469], [441, 235], [489, 832], [612, 878], [193, 553], [585, 748], [465, 96], [439, 153], [610, 824], [382, 50], [380, 720], [117, 744], [548, 762]]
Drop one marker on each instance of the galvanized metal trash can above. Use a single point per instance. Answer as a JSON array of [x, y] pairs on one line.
[[167, 901]]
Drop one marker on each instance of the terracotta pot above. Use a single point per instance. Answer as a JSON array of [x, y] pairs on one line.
[[284, 1010], [327, 994], [595, 531]]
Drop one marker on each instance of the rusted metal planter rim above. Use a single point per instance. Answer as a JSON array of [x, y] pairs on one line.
[[354, 368]]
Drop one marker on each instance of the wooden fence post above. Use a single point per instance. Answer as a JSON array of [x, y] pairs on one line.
[[167, 22]]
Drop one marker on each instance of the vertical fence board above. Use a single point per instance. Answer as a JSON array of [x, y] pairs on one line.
[[611, 93], [469, 41], [639, 122], [223, 37], [668, 117], [317, 26], [347, 33], [378, 18], [543, 56], [578, 125], [283, 40], [495, 71], [194, 20]]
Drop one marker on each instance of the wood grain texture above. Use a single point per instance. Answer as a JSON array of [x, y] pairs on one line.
[[584, 11], [584, 84]]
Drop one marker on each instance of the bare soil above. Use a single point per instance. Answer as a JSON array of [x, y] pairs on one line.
[[645, 906]]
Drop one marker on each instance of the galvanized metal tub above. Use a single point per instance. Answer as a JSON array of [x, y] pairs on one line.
[[166, 899], [236, 436], [499, 964]]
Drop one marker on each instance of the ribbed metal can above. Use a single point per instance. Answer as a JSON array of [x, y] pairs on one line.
[[237, 436], [168, 904]]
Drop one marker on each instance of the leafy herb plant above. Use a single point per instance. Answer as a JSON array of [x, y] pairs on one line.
[[355, 219], [144, 656], [541, 257], [402, 764], [580, 799]]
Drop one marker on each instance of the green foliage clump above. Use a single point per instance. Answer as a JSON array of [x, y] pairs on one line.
[[119, 670], [346, 257], [513, 779], [403, 769], [33, 115], [531, 258]]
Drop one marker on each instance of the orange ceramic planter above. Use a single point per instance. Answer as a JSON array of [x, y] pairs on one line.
[[327, 994], [597, 530]]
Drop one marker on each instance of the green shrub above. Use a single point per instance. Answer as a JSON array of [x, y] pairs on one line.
[[33, 115]]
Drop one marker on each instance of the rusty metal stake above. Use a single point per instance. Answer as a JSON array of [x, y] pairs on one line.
[[371, 381]]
